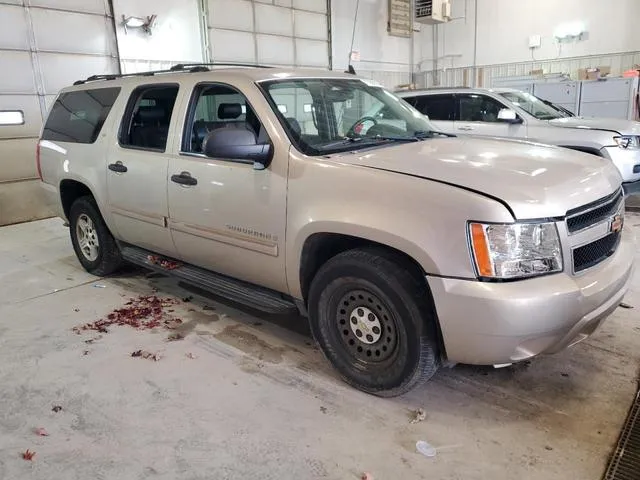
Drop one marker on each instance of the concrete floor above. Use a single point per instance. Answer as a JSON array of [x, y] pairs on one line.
[[257, 400]]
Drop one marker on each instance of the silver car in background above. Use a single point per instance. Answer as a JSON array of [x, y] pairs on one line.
[[510, 113]]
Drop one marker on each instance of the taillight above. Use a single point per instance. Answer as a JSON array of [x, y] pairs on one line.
[[38, 161]]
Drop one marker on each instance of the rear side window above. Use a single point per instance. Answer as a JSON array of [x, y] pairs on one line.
[[145, 124], [77, 117], [436, 107]]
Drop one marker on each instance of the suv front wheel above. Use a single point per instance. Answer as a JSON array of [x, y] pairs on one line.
[[94, 245], [373, 322]]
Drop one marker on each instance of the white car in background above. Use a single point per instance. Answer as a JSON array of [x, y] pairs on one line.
[[509, 113]]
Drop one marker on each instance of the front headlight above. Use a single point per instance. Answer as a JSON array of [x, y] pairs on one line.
[[515, 250], [628, 141]]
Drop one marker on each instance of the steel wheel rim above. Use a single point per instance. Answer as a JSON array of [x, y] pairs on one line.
[[366, 327], [87, 237]]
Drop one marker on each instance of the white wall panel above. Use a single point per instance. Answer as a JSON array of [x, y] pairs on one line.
[[277, 29], [312, 5], [231, 14], [275, 50], [274, 20], [13, 28], [89, 6], [311, 53], [13, 2], [227, 45], [76, 68], [18, 160], [176, 36], [310, 25], [21, 79], [72, 32]]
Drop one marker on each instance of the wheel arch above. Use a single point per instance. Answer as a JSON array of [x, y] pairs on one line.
[[70, 191]]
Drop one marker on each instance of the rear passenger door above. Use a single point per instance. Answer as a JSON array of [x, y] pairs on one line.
[[137, 169], [439, 108]]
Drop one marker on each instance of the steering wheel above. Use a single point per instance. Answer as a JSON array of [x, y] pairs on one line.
[[357, 127]]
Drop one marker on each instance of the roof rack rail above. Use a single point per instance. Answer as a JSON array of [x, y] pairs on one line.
[[180, 67]]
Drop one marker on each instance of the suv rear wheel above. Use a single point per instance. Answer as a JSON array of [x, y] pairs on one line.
[[373, 322], [94, 245]]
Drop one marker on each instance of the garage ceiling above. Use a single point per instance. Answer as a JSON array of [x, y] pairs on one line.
[[272, 32]]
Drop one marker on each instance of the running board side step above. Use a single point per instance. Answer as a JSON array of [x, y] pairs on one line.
[[245, 293]]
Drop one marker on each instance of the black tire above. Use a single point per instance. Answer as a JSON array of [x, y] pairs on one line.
[[352, 286], [108, 258]]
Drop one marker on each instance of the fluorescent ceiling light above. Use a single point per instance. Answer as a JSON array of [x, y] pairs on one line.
[[11, 117]]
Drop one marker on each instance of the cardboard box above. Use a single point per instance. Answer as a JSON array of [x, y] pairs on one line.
[[594, 73]]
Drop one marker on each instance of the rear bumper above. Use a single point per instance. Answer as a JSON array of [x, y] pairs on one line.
[[497, 323]]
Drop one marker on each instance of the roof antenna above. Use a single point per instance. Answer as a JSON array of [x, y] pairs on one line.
[[350, 69]]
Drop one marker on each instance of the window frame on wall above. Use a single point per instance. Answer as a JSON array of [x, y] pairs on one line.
[[133, 103], [50, 134]]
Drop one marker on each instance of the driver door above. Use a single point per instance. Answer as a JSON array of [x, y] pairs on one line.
[[225, 215]]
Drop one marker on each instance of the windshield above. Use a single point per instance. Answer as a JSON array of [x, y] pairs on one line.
[[324, 116], [533, 105]]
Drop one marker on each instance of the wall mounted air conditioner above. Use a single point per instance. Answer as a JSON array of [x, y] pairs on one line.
[[432, 11]]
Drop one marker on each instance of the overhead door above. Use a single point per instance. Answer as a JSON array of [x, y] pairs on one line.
[[44, 46], [270, 32]]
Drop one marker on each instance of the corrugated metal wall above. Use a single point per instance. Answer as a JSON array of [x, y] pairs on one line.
[[45, 45], [271, 32]]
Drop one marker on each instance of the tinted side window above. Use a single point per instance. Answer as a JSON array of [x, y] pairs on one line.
[[479, 108], [436, 107], [145, 124], [77, 117]]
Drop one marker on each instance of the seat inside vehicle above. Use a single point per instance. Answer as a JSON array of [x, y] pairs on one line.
[[150, 127]]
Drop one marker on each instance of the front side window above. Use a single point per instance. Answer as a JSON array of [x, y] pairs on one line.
[[436, 107], [145, 124], [479, 108], [77, 117], [221, 112], [534, 105], [333, 115]]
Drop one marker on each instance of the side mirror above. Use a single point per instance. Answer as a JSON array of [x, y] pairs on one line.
[[508, 116], [238, 144]]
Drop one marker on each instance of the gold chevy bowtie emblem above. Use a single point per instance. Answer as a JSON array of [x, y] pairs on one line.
[[617, 222]]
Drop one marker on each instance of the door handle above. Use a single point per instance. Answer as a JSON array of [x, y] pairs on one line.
[[118, 167], [184, 178], [465, 128]]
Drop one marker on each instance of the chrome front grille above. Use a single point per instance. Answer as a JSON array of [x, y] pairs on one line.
[[588, 215], [594, 231]]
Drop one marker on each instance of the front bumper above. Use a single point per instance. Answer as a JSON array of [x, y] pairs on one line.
[[626, 161], [497, 323]]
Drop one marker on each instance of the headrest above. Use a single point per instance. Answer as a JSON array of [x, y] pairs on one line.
[[148, 114], [229, 111]]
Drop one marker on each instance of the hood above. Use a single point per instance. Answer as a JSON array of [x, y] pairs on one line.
[[536, 181], [624, 127]]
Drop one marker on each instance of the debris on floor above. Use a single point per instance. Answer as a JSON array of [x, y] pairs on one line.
[[144, 312], [93, 339], [187, 299], [425, 449], [323, 409], [191, 356], [40, 431], [366, 476], [148, 355], [56, 408], [28, 455], [175, 336], [163, 263], [625, 305], [419, 416], [99, 285]]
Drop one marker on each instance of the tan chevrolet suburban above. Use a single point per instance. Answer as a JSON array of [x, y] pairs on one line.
[[406, 248]]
